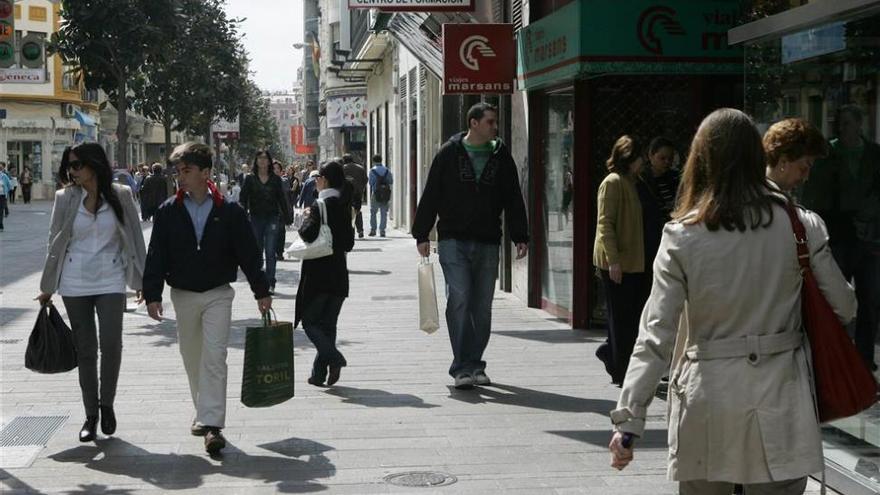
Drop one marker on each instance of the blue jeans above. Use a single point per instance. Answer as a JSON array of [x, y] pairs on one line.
[[319, 321], [470, 269], [266, 230], [383, 219]]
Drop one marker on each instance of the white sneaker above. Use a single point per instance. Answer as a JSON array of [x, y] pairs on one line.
[[480, 378], [464, 381]]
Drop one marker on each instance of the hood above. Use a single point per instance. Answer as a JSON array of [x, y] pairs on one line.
[[457, 140]]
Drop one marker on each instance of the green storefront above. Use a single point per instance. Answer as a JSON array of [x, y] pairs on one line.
[[595, 70]]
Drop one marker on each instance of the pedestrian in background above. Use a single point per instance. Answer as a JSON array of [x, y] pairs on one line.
[[262, 196], [323, 283], [27, 181], [473, 179], [5, 188], [740, 391], [309, 191], [233, 191], [13, 181], [792, 146], [381, 180], [154, 192], [285, 188], [657, 185], [95, 249], [619, 254], [357, 178], [199, 242], [845, 192]]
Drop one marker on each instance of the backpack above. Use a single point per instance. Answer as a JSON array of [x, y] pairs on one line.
[[382, 193]]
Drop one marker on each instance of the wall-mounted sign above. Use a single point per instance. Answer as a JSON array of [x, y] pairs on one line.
[[478, 58], [414, 5], [632, 37], [814, 42], [297, 134], [347, 111], [23, 76]]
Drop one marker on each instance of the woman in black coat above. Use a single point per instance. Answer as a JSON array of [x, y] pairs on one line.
[[323, 284]]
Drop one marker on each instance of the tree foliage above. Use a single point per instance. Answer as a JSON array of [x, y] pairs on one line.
[[258, 130], [109, 42]]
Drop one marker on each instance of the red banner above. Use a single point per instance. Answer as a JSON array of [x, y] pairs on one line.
[[297, 134], [478, 59], [304, 149]]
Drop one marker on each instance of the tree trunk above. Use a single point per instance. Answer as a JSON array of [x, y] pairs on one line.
[[166, 122], [122, 125]]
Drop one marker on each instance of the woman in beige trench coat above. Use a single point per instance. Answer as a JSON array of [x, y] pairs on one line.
[[741, 408]]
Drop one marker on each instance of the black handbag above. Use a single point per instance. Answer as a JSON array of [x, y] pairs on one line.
[[51, 348]]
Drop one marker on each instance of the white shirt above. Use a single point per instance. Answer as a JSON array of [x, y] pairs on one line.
[[233, 194], [94, 263]]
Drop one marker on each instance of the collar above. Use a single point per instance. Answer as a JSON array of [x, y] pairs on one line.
[[329, 193], [212, 190]]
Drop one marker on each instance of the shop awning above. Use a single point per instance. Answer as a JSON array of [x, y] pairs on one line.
[[420, 33], [84, 119]]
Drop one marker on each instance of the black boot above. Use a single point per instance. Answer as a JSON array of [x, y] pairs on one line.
[[108, 420], [89, 429]]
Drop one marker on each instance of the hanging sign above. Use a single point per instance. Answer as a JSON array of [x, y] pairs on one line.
[[414, 5], [478, 59]]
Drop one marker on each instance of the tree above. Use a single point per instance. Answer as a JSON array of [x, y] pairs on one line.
[[258, 130], [202, 76], [109, 42]]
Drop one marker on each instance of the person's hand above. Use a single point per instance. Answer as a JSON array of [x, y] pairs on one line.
[[43, 298], [522, 249], [620, 455], [264, 304], [139, 297], [424, 249], [154, 309], [615, 273]]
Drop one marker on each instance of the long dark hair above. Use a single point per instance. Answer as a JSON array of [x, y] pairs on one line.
[[92, 155], [255, 169], [723, 184]]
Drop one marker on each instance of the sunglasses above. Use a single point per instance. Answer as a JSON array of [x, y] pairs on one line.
[[76, 165]]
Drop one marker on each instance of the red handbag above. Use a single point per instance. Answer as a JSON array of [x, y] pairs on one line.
[[844, 384]]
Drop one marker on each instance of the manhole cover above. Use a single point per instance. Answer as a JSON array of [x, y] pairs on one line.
[[426, 479], [394, 298], [30, 430], [367, 250], [9, 341]]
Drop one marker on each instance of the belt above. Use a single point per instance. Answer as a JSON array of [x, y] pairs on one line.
[[751, 347]]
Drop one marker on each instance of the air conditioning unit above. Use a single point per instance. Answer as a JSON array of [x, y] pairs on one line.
[[68, 110]]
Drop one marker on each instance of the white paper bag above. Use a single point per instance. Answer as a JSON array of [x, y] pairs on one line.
[[429, 316]]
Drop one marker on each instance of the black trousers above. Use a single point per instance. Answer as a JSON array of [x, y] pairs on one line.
[[358, 218], [26, 193], [625, 303], [319, 321], [861, 266]]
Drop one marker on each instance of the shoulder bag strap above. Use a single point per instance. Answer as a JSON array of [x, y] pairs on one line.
[[800, 235], [323, 209]]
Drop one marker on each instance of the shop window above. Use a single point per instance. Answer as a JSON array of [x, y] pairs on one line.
[[23, 154]]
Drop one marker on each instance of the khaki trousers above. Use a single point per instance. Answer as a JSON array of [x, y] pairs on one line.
[[702, 487], [203, 321]]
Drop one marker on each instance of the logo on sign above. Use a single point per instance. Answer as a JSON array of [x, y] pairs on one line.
[[653, 20], [477, 43]]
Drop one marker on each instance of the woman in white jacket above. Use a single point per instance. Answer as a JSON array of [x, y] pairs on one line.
[[741, 407], [96, 249]]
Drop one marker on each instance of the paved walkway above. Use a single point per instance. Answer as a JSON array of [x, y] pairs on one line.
[[541, 429]]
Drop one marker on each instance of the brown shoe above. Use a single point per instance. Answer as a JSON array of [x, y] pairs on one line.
[[333, 376], [214, 441]]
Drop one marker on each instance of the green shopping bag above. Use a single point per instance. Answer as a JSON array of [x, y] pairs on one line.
[[268, 364]]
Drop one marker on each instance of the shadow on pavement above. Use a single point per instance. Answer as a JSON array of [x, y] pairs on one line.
[[182, 472], [535, 399], [378, 398], [8, 315], [553, 336], [369, 272], [653, 439]]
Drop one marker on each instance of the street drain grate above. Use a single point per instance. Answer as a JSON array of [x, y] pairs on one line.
[[394, 298], [367, 250], [9, 341], [424, 479], [30, 430]]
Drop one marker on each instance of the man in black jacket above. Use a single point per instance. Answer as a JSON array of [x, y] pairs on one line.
[[473, 179], [198, 243]]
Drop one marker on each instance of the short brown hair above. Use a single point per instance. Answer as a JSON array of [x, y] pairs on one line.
[[793, 139], [192, 153], [625, 151]]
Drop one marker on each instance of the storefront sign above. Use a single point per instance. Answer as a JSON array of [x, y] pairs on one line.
[[347, 111], [23, 76], [814, 42], [632, 37], [413, 5], [304, 149], [225, 126], [478, 58]]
